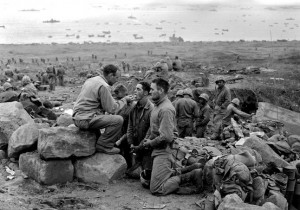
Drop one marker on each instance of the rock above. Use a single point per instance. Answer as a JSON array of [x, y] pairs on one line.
[[61, 142], [234, 202], [24, 138], [46, 172], [271, 206], [213, 150], [64, 120], [266, 152], [292, 139], [278, 200], [100, 168], [12, 116], [2, 154], [13, 166]]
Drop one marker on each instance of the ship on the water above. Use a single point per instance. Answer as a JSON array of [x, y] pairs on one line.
[[51, 21]]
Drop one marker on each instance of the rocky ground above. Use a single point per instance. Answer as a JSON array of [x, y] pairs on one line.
[[211, 58]]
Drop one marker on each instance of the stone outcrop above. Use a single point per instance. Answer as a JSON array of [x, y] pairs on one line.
[[24, 138], [62, 142], [64, 120], [12, 116], [266, 152], [46, 172], [100, 168]]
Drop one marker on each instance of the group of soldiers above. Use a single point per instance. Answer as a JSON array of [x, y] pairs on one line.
[[142, 127], [51, 75]]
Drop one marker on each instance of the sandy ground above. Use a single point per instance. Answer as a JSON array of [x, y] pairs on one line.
[[22, 193]]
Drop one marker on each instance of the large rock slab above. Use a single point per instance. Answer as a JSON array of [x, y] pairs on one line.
[[24, 138], [61, 142], [290, 119], [64, 120], [100, 168], [12, 116], [46, 172], [266, 152]]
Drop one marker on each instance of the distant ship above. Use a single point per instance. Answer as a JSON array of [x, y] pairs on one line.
[[225, 30], [68, 29], [51, 21], [106, 32], [49, 36], [159, 28], [29, 10], [290, 19], [91, 35], [2, 26], [139, 37], [131, 17], [77, 37], [101, 35], [162, 35], [175, 39], [68, 35]]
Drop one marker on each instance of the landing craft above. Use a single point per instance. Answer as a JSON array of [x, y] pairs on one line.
[[2, 26], [225, 30], [91, 35], [101, 35], [159, 28], [51, 21], [162, 35], [131, 17], [106, 32], [290, 19]]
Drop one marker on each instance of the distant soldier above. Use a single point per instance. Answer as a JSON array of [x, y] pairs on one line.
[[60, 75], [51, 77], [237, 59], [177, 66], [72, 59], [128, 67], [95, 57], [115, 56], [56, 59], [169, 63], [92, 56], [123, 66], [79, 58]]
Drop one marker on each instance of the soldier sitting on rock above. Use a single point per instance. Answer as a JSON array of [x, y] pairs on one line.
[[9, 94]]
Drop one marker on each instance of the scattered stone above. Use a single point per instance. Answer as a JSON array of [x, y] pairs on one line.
[[61, 142], [234, 202], [100, 168], [13, 166], [292, 139], [12, 116], [278, 200], [24, 138], [2, 154], [64, 120], [266, 152], [46, 172]]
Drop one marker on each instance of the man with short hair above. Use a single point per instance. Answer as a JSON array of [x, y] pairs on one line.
[[139, 123], [186, 109], [221, 101], [203, 115], [60, 75], [164, 178], [177, 66], [178, 95], [93, 101]]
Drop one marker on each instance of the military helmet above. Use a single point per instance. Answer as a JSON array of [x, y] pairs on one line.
[[236, 101], [6, 86], [188, 91], [179, 93], [145, 177], [204, 96], [220, 78]]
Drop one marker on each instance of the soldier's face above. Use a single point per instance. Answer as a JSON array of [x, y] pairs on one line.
[[139, 92], [155, 92]]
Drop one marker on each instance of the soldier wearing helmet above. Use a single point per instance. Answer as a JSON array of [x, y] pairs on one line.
[[9, 94], [203, 115], [221, 100], [178, 95], [186, 109], [232, 110]]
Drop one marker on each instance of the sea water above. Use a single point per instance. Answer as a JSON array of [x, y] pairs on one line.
[[82, 21]]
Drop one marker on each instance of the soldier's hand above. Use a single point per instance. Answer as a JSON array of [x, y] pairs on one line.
[[129, 98], [146, 143], [134, 148]]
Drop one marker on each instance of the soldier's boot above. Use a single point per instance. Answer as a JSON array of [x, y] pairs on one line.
[[195, 177]]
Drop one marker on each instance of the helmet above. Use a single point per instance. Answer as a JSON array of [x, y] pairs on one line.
[[204, 96], [236, 101], [220, 78], [6, 86], [26, 80], [179, 93], [188, 91], [145, 178]]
